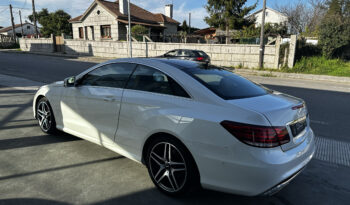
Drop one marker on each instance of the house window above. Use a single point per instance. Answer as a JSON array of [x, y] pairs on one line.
[[28, 27], [267, 13], [106, 31], [81, 32]]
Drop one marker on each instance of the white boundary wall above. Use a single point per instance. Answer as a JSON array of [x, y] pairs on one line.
[[220, 54]]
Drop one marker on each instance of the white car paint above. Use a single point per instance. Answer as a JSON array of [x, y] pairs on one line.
[[124, 122]]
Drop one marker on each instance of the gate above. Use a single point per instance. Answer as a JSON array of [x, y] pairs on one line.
[[59, 44]]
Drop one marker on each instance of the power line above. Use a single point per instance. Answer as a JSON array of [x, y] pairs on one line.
[[3, 10]]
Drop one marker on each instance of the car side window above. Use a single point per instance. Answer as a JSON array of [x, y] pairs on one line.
[[151, 80], [111, 75], [171, 53], [182, 53]]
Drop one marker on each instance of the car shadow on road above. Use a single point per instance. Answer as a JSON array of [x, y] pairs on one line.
[[21, 142]]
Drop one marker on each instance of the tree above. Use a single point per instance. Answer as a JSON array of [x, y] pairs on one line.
[[335, 29], [271, 29], [53, 23], [184, 26], [139, 30], [228, 14], [304, 17]]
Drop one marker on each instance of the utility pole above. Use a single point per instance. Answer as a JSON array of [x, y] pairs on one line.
[[13, 25], [129, 30], [34, 18], [20, 18], [261, 50], [189, 23]]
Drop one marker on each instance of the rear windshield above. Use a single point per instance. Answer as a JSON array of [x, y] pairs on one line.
[[224, 83], [202, 54]]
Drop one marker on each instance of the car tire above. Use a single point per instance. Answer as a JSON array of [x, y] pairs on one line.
[[172, 167], [45, 117]]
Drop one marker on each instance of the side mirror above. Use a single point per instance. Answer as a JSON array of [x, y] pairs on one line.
[[69, 82]]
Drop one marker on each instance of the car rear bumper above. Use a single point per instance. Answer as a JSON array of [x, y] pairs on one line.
[[256, 171]]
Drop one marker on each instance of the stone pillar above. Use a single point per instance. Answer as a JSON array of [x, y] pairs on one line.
[[277, 52], [292, 49], [53, 38]]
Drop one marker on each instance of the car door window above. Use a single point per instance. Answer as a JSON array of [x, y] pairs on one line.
[[151, 80], [112, 75], [182, 53], [171, 53]]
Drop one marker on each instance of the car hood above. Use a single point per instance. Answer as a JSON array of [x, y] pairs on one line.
[[277, 107]]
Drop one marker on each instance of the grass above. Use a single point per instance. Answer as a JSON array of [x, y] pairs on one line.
[[268, 75], [320, 66]]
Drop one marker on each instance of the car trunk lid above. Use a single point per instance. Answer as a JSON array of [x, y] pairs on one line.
[[281, 110]]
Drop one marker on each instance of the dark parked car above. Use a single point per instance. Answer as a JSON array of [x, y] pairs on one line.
[[186, 54]]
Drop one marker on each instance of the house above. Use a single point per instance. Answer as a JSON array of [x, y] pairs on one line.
[[271, 16], [215, 35], [106, 20], [28, 29]]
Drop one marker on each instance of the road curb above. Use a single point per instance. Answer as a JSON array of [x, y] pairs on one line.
[[294, 75]]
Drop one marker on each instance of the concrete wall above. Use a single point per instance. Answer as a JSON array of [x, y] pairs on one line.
[[96, 20], [222, 55], [44, 45]]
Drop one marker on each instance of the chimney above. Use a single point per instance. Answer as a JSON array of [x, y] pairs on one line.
[[123, 7], [169, 10]]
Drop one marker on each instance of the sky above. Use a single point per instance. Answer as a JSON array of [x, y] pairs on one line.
[[76, 7]]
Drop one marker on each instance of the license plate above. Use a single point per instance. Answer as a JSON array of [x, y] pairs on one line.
[[298, 127]]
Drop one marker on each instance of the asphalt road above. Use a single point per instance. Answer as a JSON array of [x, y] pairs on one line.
[[61, 169]]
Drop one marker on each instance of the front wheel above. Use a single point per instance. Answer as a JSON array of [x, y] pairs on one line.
[[171, 167], [45, 116]]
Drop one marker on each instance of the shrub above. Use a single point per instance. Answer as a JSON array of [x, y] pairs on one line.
[[306, 50], [320, 65], [138, 31]]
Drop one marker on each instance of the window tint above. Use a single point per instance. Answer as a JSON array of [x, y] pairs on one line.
[[171, 53], [202, 54], [148, 79], [225, 83], [111, 75]]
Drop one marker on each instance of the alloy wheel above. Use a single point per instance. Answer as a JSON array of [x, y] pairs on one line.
[[44, 116], [167, 166]]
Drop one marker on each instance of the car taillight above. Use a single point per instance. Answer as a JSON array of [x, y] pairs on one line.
[[258, 136], [200, 58]]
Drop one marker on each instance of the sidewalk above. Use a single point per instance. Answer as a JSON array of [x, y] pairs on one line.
[[336, 79]]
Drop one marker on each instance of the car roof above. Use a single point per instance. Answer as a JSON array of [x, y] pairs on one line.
[[186, 50], [177, 63]]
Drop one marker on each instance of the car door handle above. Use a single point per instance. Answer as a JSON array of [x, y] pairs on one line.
[[109, 99]]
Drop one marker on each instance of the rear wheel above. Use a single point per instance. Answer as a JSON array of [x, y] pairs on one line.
[[45, 116], [171, 167]]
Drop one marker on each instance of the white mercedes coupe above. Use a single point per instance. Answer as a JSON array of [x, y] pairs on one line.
[[193, 125]]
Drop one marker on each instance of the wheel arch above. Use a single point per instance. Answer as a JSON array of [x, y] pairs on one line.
[[37, 99], [150, 139]]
